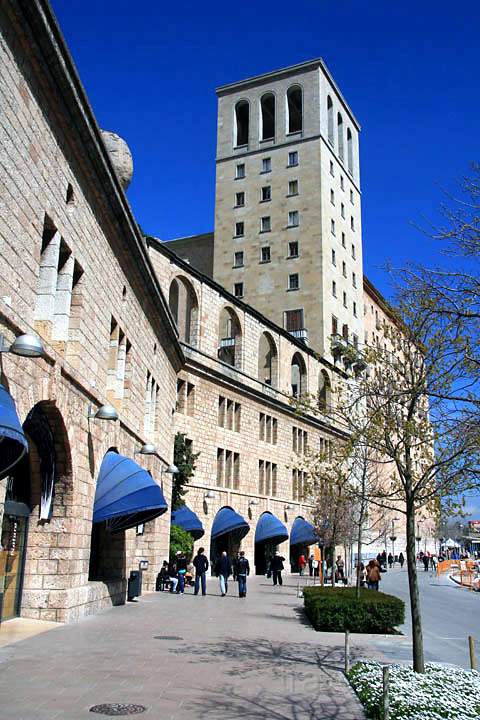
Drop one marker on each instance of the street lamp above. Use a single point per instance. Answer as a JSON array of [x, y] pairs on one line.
[[418, 538], [26, 345], [146, 449], [393, 537], [104, 412]]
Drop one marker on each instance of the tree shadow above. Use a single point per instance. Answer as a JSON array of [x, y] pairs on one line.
[[305, 701]]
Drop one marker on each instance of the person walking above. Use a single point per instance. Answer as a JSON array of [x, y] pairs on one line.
[[373, 575], [390, 560], [242, 571], [276, 566], [401, 560], [310, 564], [340, 569], [426, 562], [301, 564], [181, 570], [223, 570], [200, 563]]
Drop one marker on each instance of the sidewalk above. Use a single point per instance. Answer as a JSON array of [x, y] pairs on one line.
[[184, 657]]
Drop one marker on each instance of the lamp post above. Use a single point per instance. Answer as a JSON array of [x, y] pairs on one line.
[[27, 345], [393, 537], [418, 538]]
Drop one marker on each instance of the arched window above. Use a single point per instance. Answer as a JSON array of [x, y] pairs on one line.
[[324, 392], [267, 360], [330, 120], [350, 151], [267, 116], [298, 374], [340, 136], [183, 304], [295, 109], [242, 122], [230, 338]]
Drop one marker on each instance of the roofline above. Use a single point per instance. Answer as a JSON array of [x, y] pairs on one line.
[[370, 288], [307, 65], [61, 68], [162, 247]]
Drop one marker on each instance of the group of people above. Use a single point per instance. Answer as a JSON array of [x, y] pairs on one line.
[[173, 574]]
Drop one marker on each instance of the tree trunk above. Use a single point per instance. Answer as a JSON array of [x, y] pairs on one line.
[[417, 635], [359, 559]]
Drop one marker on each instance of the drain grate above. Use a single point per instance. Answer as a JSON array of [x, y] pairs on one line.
[[118, 709], [167, 637]]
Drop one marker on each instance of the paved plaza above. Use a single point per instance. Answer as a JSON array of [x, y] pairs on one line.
[[184, 657]]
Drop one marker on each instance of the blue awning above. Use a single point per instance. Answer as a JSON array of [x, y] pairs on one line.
[[270, 528], [188, 521], [303, 533], [126, 494], [226, 521], [13, 443]]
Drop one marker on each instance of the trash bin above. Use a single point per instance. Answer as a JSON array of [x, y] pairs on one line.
[[134, 584]]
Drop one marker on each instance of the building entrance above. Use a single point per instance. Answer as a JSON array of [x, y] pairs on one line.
[[264, 551], [12, 558]]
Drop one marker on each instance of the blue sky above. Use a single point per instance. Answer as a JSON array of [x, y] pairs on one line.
[[408, 70]]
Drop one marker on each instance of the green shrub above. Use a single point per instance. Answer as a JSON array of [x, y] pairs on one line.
[[180, 540], [338, 609]]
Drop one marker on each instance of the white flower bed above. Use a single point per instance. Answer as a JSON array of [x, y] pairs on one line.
[[441, 692]]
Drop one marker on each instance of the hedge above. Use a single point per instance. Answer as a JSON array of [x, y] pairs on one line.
[[338, 609]]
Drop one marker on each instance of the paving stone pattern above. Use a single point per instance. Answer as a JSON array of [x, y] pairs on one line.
[[256, 658]]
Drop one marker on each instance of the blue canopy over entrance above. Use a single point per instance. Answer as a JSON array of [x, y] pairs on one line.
[[227, 521], [269, 528], [303, 533], [126, 494], [13, 443], [188, 521]]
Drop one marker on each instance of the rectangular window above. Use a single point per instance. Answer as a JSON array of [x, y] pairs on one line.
[[220, 466], [268, 429], [228, 468], [352, 223], [332, 227], [354, 280], [236, 471], [353, 251], [332, 197], [266, 165], [221, 411], [293, 282], [266, 193], [181, 396], [293, 187], [293, 249], [342, 210], [351, 197], [274, 430], [334, 288], [238, 259], [355, 341], [334, 257], [265, 224], [261, 426], [274, 480], [265, 254], [229, 422], [190, 399], [261, 477], [238, 290], [237, 417], [344, 269], [292, 158], [240, 171], [293, 218], [354, 309], [239, 229], [294, 439], [344, 299], [332, 171], [343, 240], [334, 325], [342, 185], [293, 320], [345, 331], [239, 199]]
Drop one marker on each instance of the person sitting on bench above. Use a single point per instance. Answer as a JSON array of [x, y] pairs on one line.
[[163, 578]]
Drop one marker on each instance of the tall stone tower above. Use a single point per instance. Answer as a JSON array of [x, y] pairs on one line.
[[287, 215]]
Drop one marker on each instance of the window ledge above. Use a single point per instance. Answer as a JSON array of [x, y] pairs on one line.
[[241, 147], [291, 166], [262, 232], [292, 257], [292, 289], [264, 262], [265, 172], [292, 194], [237, 267], [236, 207], [264, 201], [292, 227], [267, 140], [299, 133], [236, 237], [241, 177]]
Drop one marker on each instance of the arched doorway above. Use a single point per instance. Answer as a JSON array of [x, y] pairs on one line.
[[269, 533], [228, 530], [37, 488], [302, 537]]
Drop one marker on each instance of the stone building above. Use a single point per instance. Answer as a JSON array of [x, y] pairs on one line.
[[287, 207], [234, 404], [74, 271]]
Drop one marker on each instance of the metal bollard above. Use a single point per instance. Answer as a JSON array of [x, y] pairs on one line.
[[386, 693], [347, 652], [473, 657]]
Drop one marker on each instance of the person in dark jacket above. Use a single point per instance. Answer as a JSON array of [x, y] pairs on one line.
[[200, 564], [401, 560], [223, 570], [390, 560], [173, 575], [276, 566], [242, 570], [163, 578], [181, 570]]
